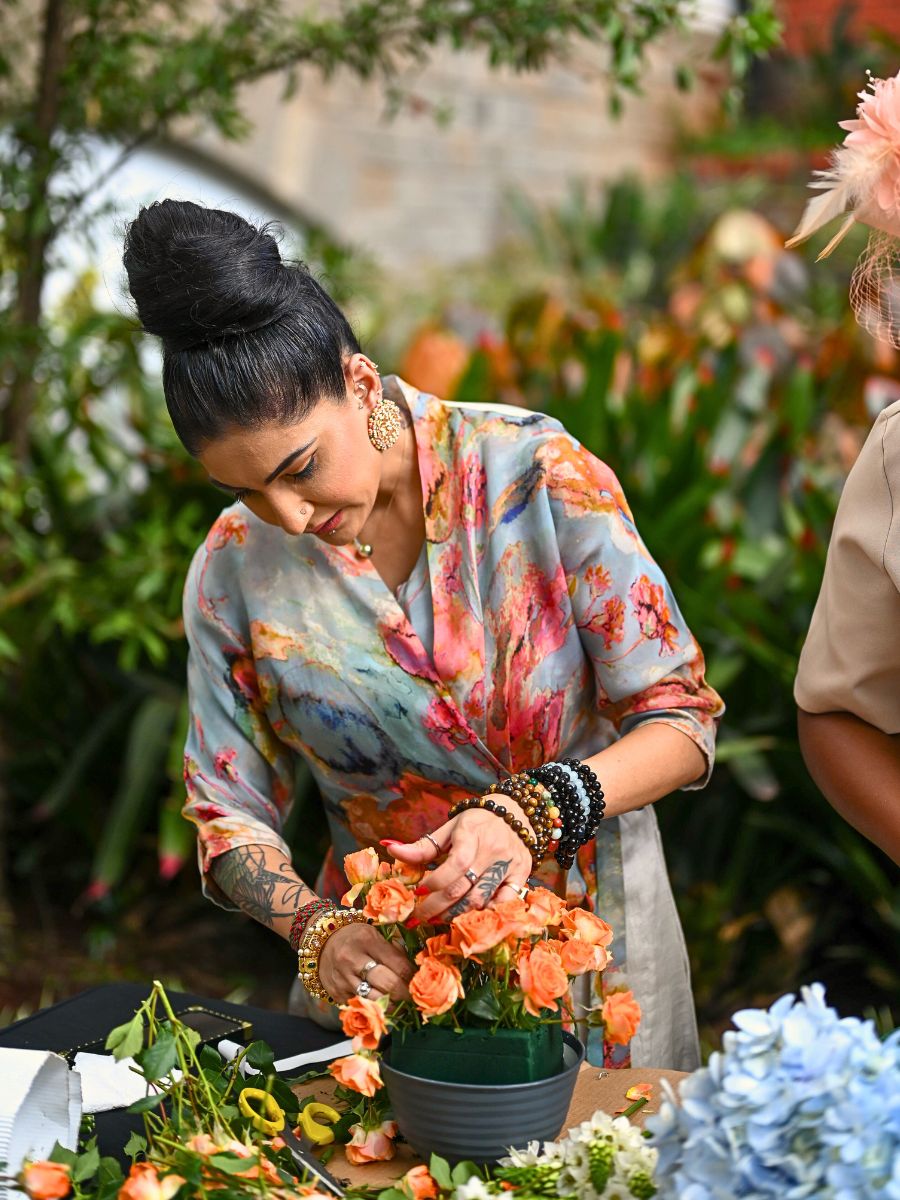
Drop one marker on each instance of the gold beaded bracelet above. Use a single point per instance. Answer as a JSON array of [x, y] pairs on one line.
[[313, 942]]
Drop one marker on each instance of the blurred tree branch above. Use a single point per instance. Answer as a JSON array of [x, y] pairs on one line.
[[128, 71]]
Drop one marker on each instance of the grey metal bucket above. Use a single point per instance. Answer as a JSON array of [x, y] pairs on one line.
[[481, 1121]]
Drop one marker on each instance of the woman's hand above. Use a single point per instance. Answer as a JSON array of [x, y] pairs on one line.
[[485, 861], [346, 955]]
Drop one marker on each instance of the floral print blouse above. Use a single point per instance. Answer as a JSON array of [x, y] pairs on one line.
[[552, 632]]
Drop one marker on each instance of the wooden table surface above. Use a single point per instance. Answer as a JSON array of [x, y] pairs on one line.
[[594, 1089]]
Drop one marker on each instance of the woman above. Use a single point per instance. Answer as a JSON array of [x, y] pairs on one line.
[[848, 682], [421, 599]]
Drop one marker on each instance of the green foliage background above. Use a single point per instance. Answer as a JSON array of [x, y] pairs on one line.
[[721, 384]]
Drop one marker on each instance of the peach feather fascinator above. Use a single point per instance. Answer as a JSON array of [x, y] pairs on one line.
[[863, 182]]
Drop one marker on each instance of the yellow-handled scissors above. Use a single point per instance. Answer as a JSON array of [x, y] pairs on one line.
[[267, 1115]]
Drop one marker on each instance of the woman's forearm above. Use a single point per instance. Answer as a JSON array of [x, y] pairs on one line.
[[857, 769], [649, 762], [263, 884]]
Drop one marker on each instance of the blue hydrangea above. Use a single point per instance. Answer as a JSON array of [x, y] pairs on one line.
[[799, 1103]]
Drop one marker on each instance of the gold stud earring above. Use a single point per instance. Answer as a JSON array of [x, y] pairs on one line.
[[384, 424]]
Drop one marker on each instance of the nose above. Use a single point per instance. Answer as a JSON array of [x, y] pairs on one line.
[[290, 513]]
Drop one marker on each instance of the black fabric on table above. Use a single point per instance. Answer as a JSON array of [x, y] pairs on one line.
[[89, 1016]]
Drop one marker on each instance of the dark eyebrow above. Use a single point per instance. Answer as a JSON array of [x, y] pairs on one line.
[[290, 458], [229, 487]]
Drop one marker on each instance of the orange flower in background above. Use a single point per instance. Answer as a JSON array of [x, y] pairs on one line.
[[577, 957], [435, 987], [364, 1021], [360, 867], [371, 1145], [545, 906], [357, 1072], [144, 1183], [621, 1017], [579, 923], [389, 902], [47, 1180], [541, 977], [479, 930], [418, 1184]]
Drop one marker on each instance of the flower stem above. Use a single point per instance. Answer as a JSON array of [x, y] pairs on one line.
[[633, 1108]]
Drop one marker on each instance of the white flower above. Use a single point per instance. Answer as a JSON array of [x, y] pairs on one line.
[[474, 1189]]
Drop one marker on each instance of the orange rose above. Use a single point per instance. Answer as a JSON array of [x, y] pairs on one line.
[[579, 923], [357, 1072], [435, 987], [144, 1183], [371, 1145], [202, 1143], [545, 906], [479, 930], [360, 867], [621, 1017], [441, 946], [541, 977], [515, 916], [47, 1180], [577, 957], [364, 1021], [407, 872], [389, 902], [418, 1184]]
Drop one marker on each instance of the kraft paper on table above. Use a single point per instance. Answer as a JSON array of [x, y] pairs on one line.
[[594, 1089]]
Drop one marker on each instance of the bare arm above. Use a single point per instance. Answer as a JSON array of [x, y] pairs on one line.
[[263, 884], [857, 769], [647, 763]]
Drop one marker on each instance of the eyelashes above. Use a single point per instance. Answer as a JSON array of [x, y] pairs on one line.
[[307, 473]]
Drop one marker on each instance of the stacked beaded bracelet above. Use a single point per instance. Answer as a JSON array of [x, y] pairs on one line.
[[312, 943], [302, 918], [535, 802], [537, 805], [577, 793]]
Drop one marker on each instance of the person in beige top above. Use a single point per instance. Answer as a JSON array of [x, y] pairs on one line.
[[848, 682]]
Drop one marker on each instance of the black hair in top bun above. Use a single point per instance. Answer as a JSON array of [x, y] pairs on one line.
[[247, 338]]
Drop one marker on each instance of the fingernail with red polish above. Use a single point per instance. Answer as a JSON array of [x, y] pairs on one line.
[[421, 890], [413, 922], [389, 842]]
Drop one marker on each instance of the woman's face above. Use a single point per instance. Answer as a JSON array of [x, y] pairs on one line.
[[319, 476]]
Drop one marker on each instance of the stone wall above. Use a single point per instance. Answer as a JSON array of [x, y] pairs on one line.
[[417, 191]]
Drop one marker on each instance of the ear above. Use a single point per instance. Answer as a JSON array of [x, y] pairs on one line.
[[363, 380]]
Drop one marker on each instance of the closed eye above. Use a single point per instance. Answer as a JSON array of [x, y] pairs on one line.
[[308, 470], [241, 494]]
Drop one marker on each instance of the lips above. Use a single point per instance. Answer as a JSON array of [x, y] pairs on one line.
[[331, 524]]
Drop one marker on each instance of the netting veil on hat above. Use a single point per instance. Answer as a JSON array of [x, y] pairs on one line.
[[863, 182]]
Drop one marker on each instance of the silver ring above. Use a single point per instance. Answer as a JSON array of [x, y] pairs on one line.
[[370, 966], [433, 842], [471, 876], [363, 988]]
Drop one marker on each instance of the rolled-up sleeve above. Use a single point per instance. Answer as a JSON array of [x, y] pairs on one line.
[[647, 665], [851, 658], [238, 774]]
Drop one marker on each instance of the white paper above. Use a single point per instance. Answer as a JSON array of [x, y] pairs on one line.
[[107, 1083], [40, 1105]]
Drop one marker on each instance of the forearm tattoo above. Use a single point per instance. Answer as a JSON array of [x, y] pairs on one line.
[[255, 888], [488, 882]]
